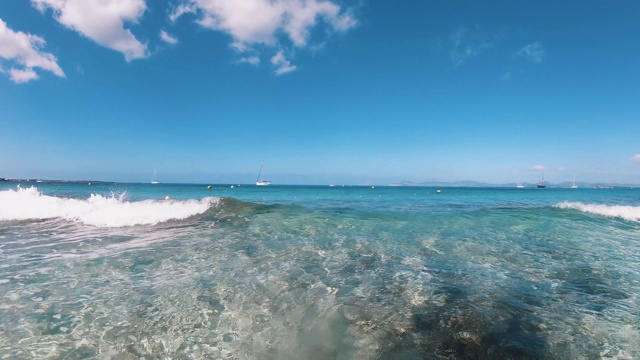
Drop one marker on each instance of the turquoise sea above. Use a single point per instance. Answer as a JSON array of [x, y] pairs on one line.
[[115, 271]]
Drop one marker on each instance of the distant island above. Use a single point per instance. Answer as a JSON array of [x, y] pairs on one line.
[[469, 183], [466, 183]]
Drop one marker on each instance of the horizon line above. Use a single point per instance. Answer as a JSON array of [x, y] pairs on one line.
[[404, 183]]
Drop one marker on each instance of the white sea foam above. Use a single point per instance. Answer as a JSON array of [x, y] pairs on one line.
[[631, 213], [97, 210]]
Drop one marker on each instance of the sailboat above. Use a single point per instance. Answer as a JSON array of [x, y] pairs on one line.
[[541, 184], [262, 182], [574, 186], [153, 178]]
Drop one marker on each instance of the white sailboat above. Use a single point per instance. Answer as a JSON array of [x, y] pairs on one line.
[[574, 186], [262, 182], [153, 178]]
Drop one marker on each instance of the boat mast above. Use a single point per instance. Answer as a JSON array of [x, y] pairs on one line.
[[259, 173]]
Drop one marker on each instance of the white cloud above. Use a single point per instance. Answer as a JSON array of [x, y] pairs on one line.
[[240, 47], [635, 158], [268, 23], [101, 21], [23, 53], [466, 45], [539, 167], [283, 65], [22, 76], [181, 10], [252, 60], [168, 38], [534, 52]]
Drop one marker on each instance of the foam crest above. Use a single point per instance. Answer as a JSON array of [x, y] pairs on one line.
[[631, 213], [97, 210]]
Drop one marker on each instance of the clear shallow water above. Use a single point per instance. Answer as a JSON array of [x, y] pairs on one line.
[[318, 272]]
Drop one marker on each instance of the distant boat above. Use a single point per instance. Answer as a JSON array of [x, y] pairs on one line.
[[574, 186], [520, 186], [262, 182], [153, 178], [541, 184]]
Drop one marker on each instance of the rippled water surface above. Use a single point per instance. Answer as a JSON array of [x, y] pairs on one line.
[[318, 272]]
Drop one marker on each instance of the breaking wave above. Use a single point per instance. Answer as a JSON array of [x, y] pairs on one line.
[[100, 211], [631, 213]]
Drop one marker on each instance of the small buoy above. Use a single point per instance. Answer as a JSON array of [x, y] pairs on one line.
[[438, 191], [167, 197], [209, 187], [89, 184]]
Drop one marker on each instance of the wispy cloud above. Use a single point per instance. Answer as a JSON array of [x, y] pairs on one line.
[[22, 76], [635, 158], [538, 167], [466, 45], [101, 21], [178, 11], [533, 52], [283, 65], [168, 38], [268, 24], [251, 60], [22, 52]]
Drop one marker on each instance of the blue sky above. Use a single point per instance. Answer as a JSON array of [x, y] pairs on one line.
[[320, 91]]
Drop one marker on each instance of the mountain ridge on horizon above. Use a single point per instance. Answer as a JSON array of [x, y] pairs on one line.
[[471, 183], [463, 183]]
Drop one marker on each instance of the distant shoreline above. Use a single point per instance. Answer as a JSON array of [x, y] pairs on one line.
[[453, 184]]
